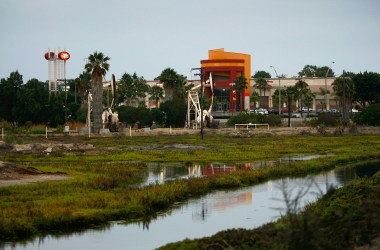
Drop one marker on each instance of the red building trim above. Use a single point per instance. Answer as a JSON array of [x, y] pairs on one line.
[[223, 61]]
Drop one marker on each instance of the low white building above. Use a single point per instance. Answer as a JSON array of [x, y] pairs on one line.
[[315, 85]]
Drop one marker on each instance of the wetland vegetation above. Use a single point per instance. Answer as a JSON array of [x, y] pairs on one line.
[[103, 181]]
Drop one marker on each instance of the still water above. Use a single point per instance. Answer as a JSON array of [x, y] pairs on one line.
[[159, 173], [244, 208]]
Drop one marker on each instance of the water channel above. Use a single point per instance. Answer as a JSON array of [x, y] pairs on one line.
[[248, 207]]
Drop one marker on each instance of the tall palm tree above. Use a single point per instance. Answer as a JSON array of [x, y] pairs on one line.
[[156, 93], [83, 83], [173, 83], [344, 88], [98, 66], [276, 95], [240, 85], [323, 92], [255, 98], [262, 85], [308, 99], [302, 87], [291, 93]]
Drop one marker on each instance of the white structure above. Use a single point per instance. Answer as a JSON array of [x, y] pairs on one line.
[[194, 107], [56, 70]]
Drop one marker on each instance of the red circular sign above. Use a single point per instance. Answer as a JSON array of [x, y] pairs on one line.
[[49, 56], [64, 55]]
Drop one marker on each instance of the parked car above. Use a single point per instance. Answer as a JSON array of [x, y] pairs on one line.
[[305, 109], [273, 111], [354, 110], [261, 111]]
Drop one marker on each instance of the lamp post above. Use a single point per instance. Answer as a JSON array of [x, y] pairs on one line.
[[64, 56], [279, 91], [326, 84]]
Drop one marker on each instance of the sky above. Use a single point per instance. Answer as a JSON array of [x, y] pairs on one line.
[[147, 36]]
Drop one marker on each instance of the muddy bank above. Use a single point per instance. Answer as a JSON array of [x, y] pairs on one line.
[[13, 174]]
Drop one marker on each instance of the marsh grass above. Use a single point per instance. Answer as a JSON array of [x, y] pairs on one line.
[[102, 186]]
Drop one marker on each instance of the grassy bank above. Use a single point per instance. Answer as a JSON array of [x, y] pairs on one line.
[[100, 188]]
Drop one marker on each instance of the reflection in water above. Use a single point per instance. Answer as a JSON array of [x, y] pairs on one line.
[[158, 173]]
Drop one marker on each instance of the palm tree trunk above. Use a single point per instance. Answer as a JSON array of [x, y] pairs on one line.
[[97, 106], [260, 104]]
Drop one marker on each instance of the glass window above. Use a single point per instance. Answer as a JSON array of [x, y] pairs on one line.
[[222, 99]]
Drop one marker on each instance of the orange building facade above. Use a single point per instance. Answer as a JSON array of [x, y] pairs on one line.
[[225, 67]]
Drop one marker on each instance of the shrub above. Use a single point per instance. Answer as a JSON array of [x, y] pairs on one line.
[[274, 120], [369, 116], [81, 115], [158, 116], [328, 119], [144, 116], [127, 114], [12, 139], [175, 111], [243, 118]]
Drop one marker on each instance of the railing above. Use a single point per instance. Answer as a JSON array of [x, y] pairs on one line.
[[248, 125]]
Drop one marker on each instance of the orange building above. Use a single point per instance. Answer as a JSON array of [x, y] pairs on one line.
[[225, 67]]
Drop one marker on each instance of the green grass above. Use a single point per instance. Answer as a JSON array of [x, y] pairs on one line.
[[100, 186]]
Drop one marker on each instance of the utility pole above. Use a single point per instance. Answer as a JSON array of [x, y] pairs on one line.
[[327, 73]]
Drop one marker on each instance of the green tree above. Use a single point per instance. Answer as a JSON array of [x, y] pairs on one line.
[[55, 112], [98, 66], [255, 98], [344, 88], [263, 86], [175, 112], [156, 93], [292, 95], [314, 71], [302, 87], [309, 98], [322, 71], [367, 87], [83, 83], [369, 116], [9, 90], [174, 83], [132, 88], [32, 103], [275, 97], [348, 74], [262, 74], [323, 92], [240, 85]]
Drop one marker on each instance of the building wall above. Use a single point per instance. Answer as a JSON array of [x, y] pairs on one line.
[[225, 67], [315, 84]]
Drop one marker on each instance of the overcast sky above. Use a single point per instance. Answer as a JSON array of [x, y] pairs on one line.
[[147, 36]]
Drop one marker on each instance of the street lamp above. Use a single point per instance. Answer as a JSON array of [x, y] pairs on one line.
[[326, 84], [64, 56], [279, 91]]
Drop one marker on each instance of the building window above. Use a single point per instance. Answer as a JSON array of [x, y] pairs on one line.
[[222, 97]]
